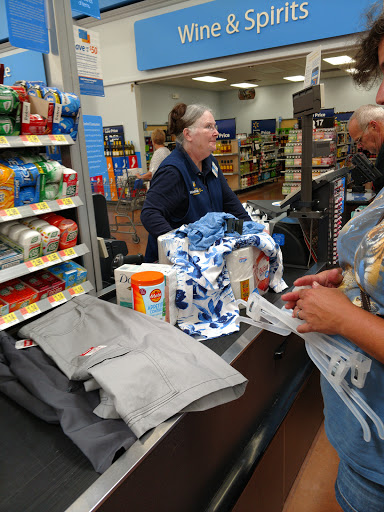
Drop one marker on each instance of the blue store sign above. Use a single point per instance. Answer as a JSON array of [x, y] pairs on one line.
[[226, 128], [25, 65], [224, 27], [264, 126]]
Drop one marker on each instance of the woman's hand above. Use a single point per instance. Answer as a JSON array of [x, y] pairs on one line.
[[328, 278], [324, 309]]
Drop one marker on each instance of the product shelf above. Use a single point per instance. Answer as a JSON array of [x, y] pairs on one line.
[[42, 262], [224, 154], [22, 141], [41, 306], [246, 160], [39, 208]]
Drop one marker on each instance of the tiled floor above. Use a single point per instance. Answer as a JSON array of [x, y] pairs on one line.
[[313, 490]]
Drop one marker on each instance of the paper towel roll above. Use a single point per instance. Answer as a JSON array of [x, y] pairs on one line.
[[240, 268], [248, 269]]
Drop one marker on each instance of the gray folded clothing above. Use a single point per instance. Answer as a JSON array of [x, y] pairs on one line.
[[149, 368], [32, 379]]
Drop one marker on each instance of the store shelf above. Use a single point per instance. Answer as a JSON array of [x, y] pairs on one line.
[[22, 141], [230, 173], [260, 182], [246, 160], [43, 262], [39, 208], [224, 154], [41, 306]]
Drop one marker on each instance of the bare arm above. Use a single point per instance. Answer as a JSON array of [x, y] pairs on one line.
[[329, 311]]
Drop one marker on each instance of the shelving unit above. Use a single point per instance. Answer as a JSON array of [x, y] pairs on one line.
[[36, 143], [260, 166], [292, 156], [44, 305], [228, 156]]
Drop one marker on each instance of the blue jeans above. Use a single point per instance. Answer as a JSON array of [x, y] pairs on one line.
[[354, 493]]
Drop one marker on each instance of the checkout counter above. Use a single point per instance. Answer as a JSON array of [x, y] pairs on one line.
[[227, 458]]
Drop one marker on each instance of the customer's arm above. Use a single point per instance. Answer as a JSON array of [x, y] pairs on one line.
[[166, 198], [329, 311]]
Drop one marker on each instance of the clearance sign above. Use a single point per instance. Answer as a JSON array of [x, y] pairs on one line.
[[224, 27]]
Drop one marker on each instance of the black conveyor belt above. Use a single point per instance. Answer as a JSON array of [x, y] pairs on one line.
[[41, 469]]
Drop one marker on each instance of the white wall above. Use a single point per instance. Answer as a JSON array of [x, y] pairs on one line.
[[157, 102], [276, 101], [270, 102]]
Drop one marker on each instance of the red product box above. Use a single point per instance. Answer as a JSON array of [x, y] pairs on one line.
[[37, 116], [17, 294], [45, 283]]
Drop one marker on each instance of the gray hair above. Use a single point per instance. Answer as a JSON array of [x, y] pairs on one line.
[[192, 114], [366, 113]]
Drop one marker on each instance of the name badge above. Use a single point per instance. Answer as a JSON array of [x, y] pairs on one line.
[[215, 169]]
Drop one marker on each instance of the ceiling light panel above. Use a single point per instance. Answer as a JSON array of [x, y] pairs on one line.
[[244, 85], [297, 78], [210, 79], [337, 61]]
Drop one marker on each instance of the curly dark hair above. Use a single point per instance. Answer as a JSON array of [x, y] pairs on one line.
[[367, 62]]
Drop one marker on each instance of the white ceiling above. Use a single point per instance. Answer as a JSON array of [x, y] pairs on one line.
[[261, 74]]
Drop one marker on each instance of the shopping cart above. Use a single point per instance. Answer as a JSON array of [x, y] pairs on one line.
[[131, 193]]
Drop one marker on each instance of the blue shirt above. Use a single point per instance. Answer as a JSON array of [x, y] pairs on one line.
[[180, 194], [361, 247]]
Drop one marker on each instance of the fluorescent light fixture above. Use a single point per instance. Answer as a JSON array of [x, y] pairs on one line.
[[337, 61], [351, 70], [210, 79], [244, 85], [297, 78]]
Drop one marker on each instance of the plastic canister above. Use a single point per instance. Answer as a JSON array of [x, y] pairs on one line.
[[13, 233], [4, 228], [38, 224], [69, 183], [31, 242], [68, 231], [148, 293], [50, 235]]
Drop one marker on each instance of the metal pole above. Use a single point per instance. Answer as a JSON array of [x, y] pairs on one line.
[[306, 162]]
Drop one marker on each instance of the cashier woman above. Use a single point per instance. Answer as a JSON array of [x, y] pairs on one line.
[[189, 182]]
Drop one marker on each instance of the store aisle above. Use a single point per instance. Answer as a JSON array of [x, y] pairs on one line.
[[268, 191], [313, 490]]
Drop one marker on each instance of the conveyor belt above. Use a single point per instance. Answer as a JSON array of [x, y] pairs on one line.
[[41, 469]]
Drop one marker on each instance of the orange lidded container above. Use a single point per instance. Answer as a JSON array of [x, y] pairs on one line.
[[148, 293]]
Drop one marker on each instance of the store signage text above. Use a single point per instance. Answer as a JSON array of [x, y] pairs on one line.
[[220, 28], [253, 20]]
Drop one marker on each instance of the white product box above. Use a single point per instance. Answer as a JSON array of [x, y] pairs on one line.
[[123, 276]]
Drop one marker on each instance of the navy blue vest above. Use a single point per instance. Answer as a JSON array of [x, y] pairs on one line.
[[205, 193]]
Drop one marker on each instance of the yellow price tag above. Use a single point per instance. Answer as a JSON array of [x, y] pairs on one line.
[[33, 139], [77, 290], [8, 320], [53, 258], [3, 141], [12, 212], [57, 299], [66, 202], [60, 138], [40, 206], [38, 262], [31, 310], [67, 254]]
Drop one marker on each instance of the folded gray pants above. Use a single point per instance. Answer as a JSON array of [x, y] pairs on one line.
[[149, 368]]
